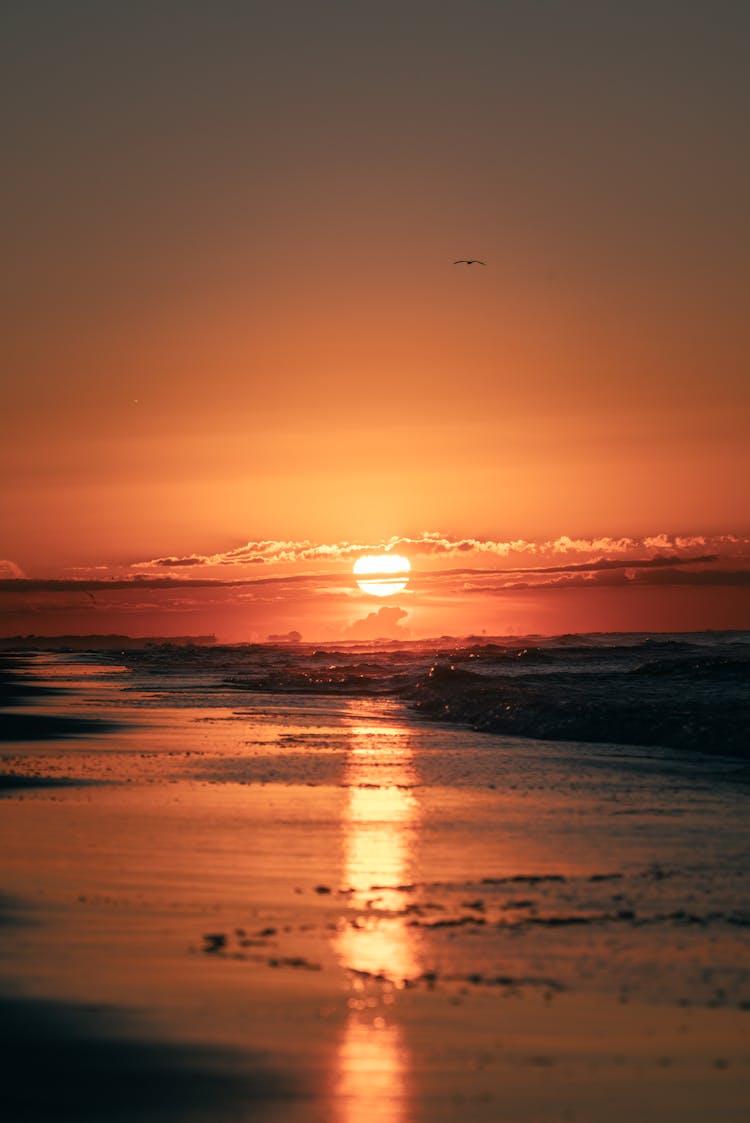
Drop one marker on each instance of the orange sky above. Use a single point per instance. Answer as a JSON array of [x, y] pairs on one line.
[[230, 312]]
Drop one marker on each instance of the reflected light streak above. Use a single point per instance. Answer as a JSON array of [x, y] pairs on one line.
[[380, 822], [372, 1080], [377, 854]]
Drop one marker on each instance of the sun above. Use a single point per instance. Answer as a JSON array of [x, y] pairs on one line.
[[382, 575]]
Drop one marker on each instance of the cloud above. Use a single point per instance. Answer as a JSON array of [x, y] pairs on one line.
[[663, 542], [626, 575], [383, 624], [694, 569], [429, 543], [433, 544], [600, 564], [728, 578], [10, 569], [668, 576], [99, 584], [176, 563], [265, 551]]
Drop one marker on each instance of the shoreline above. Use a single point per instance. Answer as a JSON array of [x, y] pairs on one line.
[[330, 900]]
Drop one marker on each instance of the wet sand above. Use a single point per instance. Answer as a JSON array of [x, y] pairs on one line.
[[218, 907]]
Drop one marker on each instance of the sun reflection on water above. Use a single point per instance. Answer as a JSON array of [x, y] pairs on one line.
[[375, 944], [373, 1075]]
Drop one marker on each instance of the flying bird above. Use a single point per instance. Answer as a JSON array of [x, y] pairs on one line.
[[469, 261]]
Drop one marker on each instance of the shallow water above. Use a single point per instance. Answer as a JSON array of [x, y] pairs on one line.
[[349, 912]]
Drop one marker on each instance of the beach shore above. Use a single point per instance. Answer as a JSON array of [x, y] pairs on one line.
[[327, 908]]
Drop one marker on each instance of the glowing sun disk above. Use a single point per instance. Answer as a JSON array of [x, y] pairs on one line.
[[381, 575]]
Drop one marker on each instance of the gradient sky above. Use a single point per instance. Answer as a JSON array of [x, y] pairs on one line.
[[230, 313]]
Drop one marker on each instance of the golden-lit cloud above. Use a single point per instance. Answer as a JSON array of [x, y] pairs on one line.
[[456, 586], [433, 544], [492, 565], [10, 569], [385, 623]]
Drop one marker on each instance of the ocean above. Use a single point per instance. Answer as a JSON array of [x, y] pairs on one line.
[[688, 691], [479, 879]]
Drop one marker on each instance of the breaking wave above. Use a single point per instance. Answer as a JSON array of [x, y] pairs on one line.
[[675, 691]]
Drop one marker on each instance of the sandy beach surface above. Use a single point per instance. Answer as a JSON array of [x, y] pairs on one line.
[[225, 906]]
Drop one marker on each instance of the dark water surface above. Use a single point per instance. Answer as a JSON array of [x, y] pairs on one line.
[[687, 691], [264, 882]]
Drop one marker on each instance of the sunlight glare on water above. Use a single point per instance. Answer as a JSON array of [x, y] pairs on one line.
[[380, 827], [373, 1075]]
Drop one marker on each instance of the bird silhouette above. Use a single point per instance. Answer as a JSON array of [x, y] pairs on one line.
[[469, 261]]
